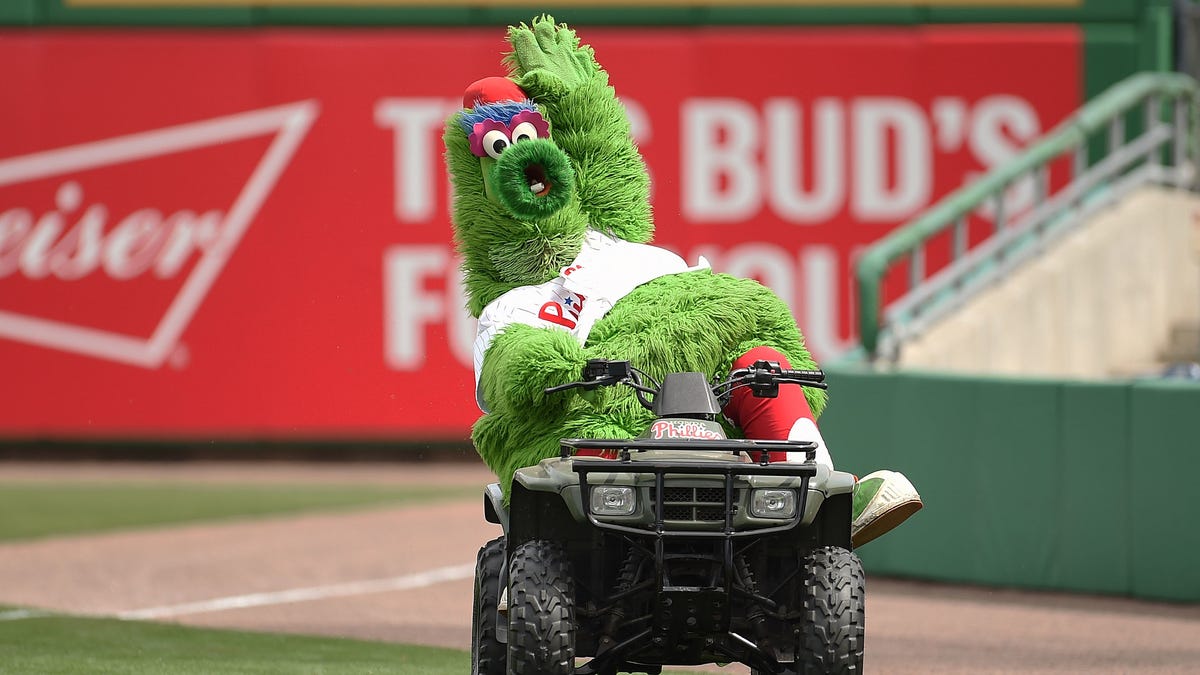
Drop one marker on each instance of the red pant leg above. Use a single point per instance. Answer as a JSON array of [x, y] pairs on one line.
[[768, 419]]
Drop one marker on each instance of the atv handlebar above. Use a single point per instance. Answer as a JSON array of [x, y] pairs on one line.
[[763, 378], [600, 373]]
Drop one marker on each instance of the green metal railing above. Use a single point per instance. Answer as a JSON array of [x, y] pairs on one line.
[[1165, 152]]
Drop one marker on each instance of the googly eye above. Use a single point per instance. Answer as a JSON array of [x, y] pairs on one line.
[[494, 143], [525, 131]]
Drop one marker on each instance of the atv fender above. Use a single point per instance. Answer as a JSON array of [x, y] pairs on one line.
[[494, 510], [839, 483], [836, 510]]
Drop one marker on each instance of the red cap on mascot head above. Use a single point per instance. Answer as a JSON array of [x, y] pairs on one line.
[[492, 90]]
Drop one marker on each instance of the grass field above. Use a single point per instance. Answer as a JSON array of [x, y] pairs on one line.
[[60, 644], [64, 644], [54, 644], [34, 510]]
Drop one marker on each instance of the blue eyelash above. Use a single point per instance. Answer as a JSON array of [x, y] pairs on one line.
[[501, 112]]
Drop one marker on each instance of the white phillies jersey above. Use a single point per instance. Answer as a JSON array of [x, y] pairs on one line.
[[606, 270]]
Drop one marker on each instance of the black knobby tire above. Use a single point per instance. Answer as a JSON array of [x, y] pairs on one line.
[[487, 654], [541, 612], [833, 630]]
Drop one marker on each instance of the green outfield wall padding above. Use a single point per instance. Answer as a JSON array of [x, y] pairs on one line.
[[371, 16], [1156, 44], [1110, 52], [61, 13], [1093, 523], [1087, 10], [938, 460], [18, 12], [1017, 473], [868, 434], [1164, 458], [1113, 52], [644, 15], [815, 16], [231, 13], [875, 422], [1030, 483]]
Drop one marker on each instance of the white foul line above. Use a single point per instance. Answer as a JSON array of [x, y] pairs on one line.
[[402, 583], [18, 614]]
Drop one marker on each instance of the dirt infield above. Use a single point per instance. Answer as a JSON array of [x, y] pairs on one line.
[[403, 574]]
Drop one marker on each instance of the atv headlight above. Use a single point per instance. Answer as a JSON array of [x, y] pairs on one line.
[[613, 500], [773, 503]]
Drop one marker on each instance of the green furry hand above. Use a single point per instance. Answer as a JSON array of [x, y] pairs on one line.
[[523, 362], [592, 396], [547, 60]]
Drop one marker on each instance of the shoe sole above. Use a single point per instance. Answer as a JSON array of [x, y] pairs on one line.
[[885, 522]]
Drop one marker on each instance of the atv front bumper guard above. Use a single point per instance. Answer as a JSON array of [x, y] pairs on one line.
[[672, 624], [660, 468]]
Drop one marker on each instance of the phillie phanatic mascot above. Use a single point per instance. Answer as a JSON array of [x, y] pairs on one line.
[[552, 218]]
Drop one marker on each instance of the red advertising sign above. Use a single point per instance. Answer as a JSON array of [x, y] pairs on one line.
[[230, 234]]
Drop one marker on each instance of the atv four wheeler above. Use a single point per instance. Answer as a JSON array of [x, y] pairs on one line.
[[681, 546]]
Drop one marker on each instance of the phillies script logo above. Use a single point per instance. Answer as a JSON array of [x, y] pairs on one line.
[[76, 244], [673, 429]]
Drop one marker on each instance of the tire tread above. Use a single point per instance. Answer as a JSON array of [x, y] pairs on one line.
[[488, 655], [832, 633], [541, 621]]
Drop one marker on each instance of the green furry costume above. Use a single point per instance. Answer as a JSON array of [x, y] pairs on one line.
[[512, 231]]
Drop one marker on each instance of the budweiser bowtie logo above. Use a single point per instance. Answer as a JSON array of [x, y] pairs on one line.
[[75, 237]]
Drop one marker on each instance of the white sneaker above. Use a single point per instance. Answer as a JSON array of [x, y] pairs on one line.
[[882, 500]]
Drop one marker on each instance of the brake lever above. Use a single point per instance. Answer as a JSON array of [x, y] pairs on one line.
[[562, 387], [598, 373], [803, 383]]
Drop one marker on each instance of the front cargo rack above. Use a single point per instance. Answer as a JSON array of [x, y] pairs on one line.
[[624, 463], [733, 445]]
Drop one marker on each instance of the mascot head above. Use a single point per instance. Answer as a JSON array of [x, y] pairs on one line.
[[516, 212]]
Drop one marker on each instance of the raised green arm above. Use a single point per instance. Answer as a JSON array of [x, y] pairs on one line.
[[587, 122]]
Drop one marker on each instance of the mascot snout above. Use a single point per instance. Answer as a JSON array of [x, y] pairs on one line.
[[534, 178]]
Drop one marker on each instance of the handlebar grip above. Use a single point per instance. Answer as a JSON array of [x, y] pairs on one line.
[[806, 375]]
